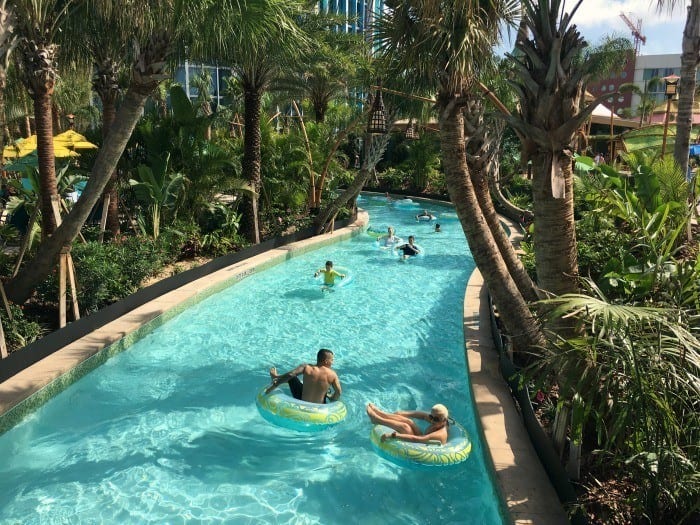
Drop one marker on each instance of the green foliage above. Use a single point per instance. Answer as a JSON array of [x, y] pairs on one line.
[[157, 189], [509, 154], [394, 178], [106, 273], [518, 190], [19, 331], [423, 162], [637, 370], [285, 170], [189, 171], [631, 234], [635, 361]]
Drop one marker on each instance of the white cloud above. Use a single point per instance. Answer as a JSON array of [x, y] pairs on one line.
[[596, 19], [602, 14]]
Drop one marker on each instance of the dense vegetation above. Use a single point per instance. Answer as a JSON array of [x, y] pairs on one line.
[[631, 372]]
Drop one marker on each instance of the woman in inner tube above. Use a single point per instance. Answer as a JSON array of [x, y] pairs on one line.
[[405, 429], [424, 215], [390, 238]]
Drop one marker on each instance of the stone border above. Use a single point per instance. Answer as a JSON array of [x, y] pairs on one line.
[[520, 476]]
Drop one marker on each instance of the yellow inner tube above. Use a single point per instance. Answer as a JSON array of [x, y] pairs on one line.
[[282, 409], [406, 453]]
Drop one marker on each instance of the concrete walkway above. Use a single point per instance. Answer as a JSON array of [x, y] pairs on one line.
[[524, 486]]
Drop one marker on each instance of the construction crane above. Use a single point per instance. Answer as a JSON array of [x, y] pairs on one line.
[[639, 38]]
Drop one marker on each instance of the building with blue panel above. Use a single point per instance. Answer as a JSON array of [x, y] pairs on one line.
[[358, 14]]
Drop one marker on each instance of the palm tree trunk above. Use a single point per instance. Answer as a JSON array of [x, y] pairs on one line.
[[519, 321], [686, 96], [3, 122], [48, 190], [482, 152], [515, 266], [554, 235], [509, 209], [108, 115], [375, 145], [350, 193], [27, 122], [251, 163]]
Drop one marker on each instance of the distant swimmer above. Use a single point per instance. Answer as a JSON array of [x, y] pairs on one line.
[[390, 238], [425, 215], [329, 274], [409, 249]]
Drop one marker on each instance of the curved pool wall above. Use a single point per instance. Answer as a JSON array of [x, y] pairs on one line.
[[192, 451]]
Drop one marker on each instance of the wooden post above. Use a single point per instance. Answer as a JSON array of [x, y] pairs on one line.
[[66, 271], [103, 219], [63, 268], [3, 345], [5, 302], [73, 288]]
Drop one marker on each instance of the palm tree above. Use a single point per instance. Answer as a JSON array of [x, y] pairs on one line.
[[8, 41], [106, 30], [202, 82], [373, 150], [38, 23], [550, 75], [442, 46], [330, 68], [687, 83], [483, 139], [258, 39], [148, 71], [646, 100]]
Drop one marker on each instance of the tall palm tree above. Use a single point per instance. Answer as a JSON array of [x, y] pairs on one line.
[[690, 58], [38, 23], [258, 39], [551, 70], [8, 41], [147, 72], [106, 31], [442, 45], [330, 68]]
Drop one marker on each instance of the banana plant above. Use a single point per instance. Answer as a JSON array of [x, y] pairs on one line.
[[158, 189], [25, 199], [644, 205]]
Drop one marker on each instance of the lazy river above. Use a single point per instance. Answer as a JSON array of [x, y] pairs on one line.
[[168, 430]]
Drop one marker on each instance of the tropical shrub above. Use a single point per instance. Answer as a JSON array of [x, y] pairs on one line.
[[632, 233], [423, 163], [106, 273], [518, 190], [19, 331], [636, 371]]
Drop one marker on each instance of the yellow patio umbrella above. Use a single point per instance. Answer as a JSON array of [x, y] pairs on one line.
[[73, 140], [20, 148], [61, 152], [64, 145]]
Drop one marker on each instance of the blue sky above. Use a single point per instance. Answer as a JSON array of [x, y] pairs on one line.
[[664, 30]]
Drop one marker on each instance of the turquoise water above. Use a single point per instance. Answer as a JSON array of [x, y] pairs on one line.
[[168, 431]]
